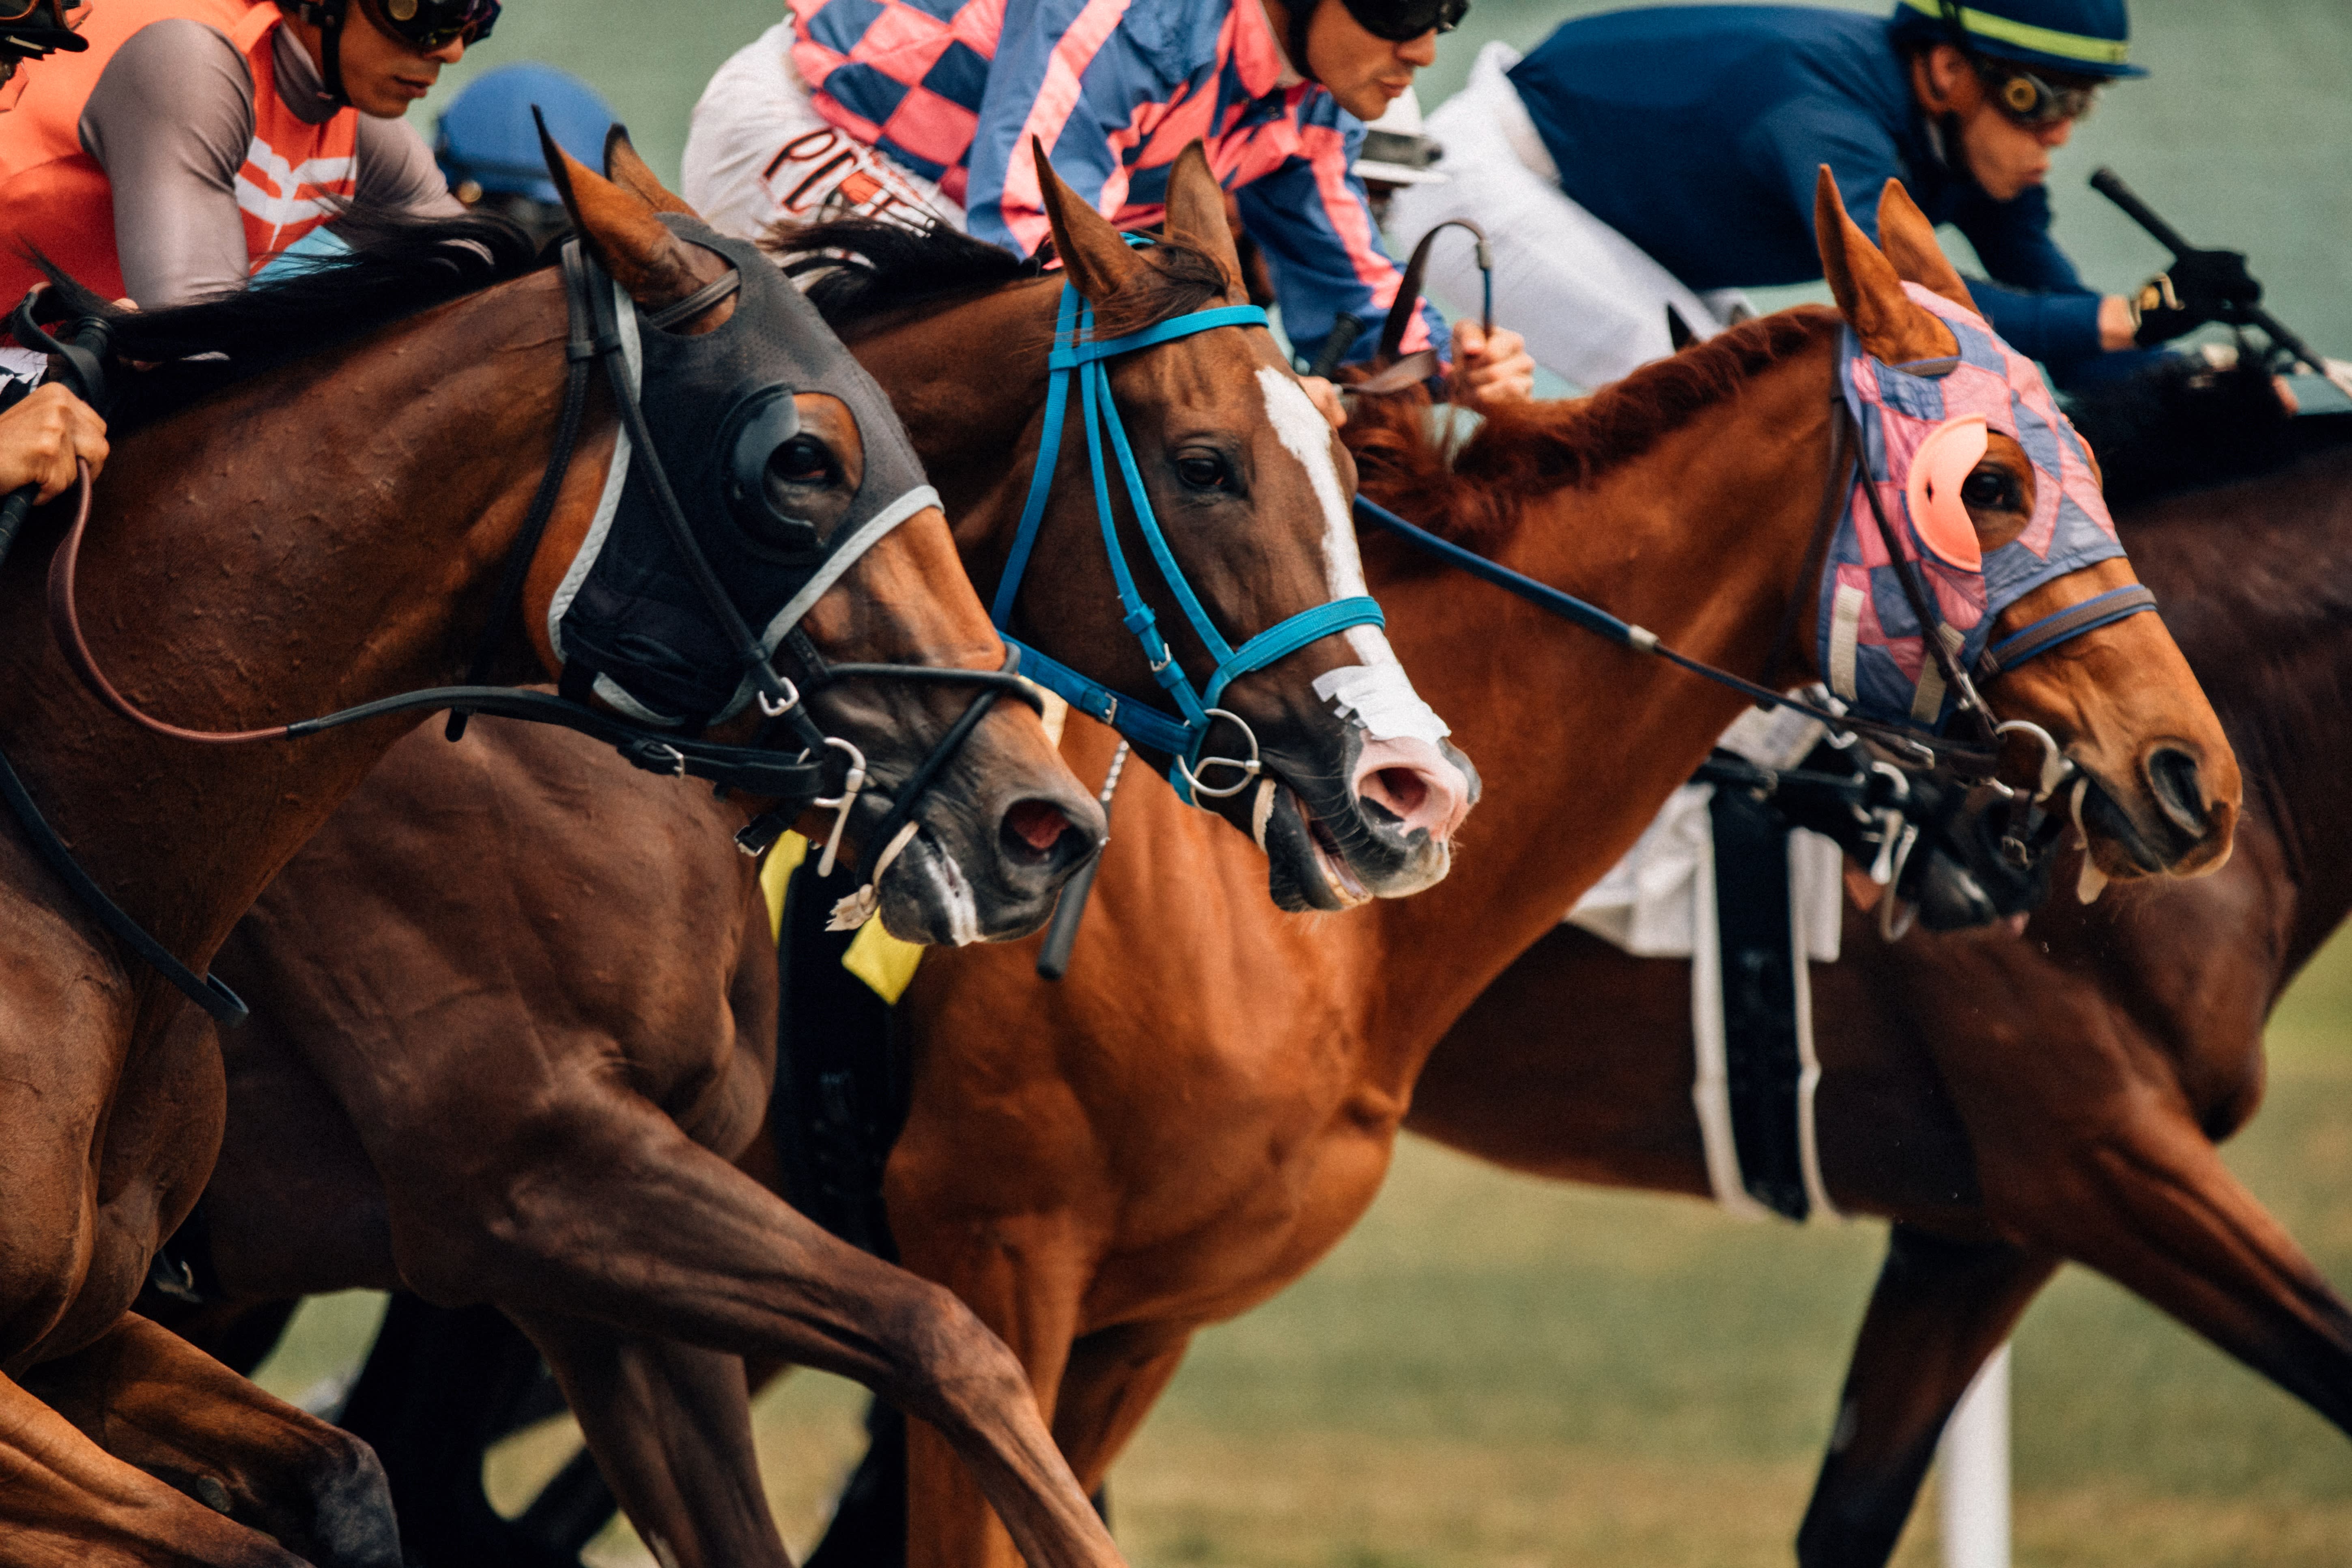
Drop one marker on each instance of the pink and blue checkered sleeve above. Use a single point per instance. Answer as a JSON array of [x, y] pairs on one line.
[[1052, 80], [1313, 225]]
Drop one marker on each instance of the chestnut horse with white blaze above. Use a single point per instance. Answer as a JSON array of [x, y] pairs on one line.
[[327, 518], [1208, 1101], [513, 1025]]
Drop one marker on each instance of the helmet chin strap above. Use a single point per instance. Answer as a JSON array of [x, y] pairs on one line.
[[331, 48], [1302, 12], [327, 16]]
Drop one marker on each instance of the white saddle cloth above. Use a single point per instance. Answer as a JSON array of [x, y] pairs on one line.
[[1659, 902]]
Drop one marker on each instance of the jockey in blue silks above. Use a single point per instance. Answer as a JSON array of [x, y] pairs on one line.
[[880, 106], [1647, 158]]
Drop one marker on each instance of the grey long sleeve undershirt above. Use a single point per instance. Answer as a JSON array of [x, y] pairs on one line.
[[170, 122]]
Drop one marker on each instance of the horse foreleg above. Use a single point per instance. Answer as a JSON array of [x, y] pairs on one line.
[[1023, 1279], [2159, 1213], [1939, 1310], [670, 1426], [623, 1219], [1114, 1378], [65, 1503], [157, 1402]]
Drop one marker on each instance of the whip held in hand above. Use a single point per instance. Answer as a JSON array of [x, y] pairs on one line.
[[2200, 286]]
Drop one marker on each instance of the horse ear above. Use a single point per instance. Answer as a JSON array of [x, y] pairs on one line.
[[1908, 241], [653, 265], [1196, 216], [1894, 328], [624, 168], [1097, 260]]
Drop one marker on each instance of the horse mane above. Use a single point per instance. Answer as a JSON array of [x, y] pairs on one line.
[[1474, 495], [857, 271], [399, 265], [2183, 426]]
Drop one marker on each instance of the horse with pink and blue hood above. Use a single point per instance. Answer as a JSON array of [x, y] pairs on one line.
[[1923, 427]]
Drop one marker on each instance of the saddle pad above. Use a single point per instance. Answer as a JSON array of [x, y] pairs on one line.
[[1754, 1068], [1647, 904]]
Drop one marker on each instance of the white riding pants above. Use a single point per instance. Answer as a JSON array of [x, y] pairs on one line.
[[1591, 305], [758, 153]]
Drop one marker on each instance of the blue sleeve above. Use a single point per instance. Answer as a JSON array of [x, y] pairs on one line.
[[1313, 223], [2036, 300], [2054, 328], [1076, 119], [1788, 147], [2012, 239]]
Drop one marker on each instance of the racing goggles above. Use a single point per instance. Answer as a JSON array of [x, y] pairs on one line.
[[2029, 100], [426, 26], [1401, 21], [32, 28]]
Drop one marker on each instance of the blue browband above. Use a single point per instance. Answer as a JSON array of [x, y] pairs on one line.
[[1181, 734]]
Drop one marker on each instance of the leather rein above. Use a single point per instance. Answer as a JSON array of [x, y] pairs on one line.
[[795, 780], [1978, 761]]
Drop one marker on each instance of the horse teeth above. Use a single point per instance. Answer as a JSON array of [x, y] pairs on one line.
[[2092, 882]]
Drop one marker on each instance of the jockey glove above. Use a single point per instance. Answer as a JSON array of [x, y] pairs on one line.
[[2200, 286]]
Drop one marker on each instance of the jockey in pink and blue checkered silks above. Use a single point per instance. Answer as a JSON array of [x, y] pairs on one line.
[[1923, 425], [895, 107]]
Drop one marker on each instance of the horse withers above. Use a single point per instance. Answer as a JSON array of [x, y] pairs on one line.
[[1103, 1166], [312, 501]]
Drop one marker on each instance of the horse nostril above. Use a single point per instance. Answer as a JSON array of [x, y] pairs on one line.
[[2172, 778], [1032, 829], [1402, 791]]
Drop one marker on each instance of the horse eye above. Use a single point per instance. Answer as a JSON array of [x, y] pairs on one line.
[[802, 460], [1992, 489], [1204, 471]]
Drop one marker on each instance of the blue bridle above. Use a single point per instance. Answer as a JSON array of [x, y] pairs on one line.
[[1079, 356]]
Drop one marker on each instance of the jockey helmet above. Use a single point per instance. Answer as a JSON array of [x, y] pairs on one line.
[[488, 144], [1396, 150], [2086, 39]]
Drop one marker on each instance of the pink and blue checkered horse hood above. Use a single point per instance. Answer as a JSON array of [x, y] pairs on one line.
[[1873, 650]]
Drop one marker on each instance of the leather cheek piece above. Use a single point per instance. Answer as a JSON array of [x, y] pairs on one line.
[[1932, 491]]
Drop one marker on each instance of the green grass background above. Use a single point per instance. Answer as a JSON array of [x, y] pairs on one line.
[[1499, 1371]]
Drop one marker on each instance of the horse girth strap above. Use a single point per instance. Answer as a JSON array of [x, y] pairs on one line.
[[1182, 736]]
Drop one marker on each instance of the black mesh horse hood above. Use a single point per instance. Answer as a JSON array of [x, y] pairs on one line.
[[634, 614]]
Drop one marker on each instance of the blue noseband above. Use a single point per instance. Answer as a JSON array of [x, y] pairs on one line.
[[1079, 356]]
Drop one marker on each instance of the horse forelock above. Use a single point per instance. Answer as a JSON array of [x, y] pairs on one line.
[[399, 265], [859, 271], [1525, 451]]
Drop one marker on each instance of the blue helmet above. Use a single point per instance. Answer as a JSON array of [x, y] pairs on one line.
[[2077, 37], [485, 138]]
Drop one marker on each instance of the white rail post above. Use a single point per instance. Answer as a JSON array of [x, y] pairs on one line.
[[1972, 1469]]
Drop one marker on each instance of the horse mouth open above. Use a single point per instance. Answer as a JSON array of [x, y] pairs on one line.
[[1387, 835], [932, 894]]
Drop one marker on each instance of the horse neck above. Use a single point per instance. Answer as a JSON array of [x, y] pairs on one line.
[[318, 536], [1701, 541], [2256, 583], [968, 381]]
